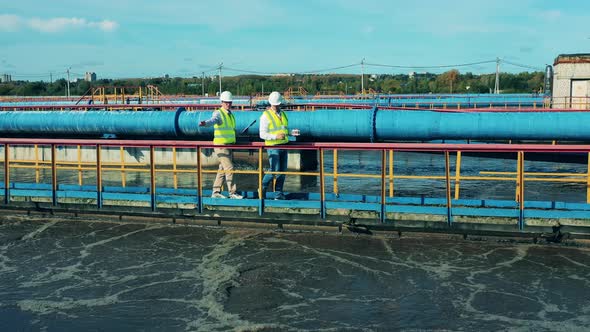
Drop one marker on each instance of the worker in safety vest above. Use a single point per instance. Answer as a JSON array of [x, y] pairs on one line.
[[274, 131], [224, 124]]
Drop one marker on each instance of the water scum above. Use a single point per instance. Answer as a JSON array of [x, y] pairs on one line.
[[58, 273]]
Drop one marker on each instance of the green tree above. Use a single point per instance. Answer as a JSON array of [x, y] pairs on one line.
[[446, 82], [449, 78]]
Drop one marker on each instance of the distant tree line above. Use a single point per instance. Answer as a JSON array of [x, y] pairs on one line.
[[448, 82]]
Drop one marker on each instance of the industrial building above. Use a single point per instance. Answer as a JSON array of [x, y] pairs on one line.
[[90, 76], [571, 81]]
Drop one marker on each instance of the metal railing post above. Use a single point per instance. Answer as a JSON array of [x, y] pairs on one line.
[[383, 187], [261, 192], [457, 174], [588, 181], [98, 177], [37, 172], [79, 150], [517, 193], [322, 186], [390, 173], [123, 174], [521, 222], [199, 182], [336, 172], [6, 174], [152, 178], [448, 188], [174, 170], [53, 175]]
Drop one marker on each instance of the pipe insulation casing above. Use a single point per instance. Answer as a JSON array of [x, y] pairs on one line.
[[122, 123], [428, 125], [324, 125]]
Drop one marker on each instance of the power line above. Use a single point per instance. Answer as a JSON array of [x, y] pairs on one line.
[[216, 68], [298, 72], [248, 71], [207, 70], [523, 66], [330, 69], [30, 75], [439, 66], [49, 75]]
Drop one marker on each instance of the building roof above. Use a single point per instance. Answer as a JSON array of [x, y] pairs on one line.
[[572, 58]]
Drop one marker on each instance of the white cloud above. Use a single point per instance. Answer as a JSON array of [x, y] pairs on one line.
[[55, 24], [550, 15], [105, 25], [11, 23], [368, 29]]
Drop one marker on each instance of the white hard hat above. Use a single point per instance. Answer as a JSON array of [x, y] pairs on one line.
[[226, 96], [275, 98]]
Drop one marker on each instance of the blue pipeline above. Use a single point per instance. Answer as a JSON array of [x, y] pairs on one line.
[[89, 123], [380, 125], [409, 100], [427, 125], [324, 125], [439, 101], [197, 101]]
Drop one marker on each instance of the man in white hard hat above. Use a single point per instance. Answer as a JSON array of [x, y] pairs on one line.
[[224, 123], [274, 131]]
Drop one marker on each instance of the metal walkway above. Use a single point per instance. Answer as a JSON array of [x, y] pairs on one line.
[[330, 206]]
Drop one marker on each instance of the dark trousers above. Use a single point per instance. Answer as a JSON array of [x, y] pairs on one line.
[[278, 163]]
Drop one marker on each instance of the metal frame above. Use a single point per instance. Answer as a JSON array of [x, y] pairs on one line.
[[386, 175], [6, 173], [53, 175]]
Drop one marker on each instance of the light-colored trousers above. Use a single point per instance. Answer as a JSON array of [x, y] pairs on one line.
[[226, 166]]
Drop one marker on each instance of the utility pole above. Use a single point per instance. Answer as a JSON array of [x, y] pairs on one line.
[[220, 66], [363, 76], [51, 77], [497, 85], [202, 83], [69, 81]]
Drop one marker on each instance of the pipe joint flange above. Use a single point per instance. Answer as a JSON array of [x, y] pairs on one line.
[[177, 114], [373, 124]]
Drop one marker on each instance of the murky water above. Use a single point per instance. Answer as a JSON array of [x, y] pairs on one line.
[[104, 276]]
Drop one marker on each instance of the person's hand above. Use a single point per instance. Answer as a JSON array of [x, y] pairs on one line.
[[202, 123], [295, 132], [281, 136]]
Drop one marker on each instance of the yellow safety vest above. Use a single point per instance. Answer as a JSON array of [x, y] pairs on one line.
[[277, 126], [225, 133]]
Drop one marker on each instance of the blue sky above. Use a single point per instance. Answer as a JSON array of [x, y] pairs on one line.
[[185, 37]]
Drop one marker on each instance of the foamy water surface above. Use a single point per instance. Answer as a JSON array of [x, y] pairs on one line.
[[58, 275]]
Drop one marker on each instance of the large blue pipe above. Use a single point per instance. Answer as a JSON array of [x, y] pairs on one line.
[[375, 125], [438, 101], [124, 123], [325, 125]]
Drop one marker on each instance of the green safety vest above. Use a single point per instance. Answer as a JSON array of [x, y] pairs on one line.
[[225, 133], [277, 126]]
